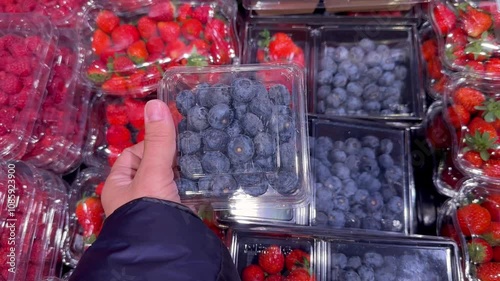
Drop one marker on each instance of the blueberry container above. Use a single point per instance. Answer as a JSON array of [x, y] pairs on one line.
[[362, 176], [365, 69], [265, 216], [258, 143]]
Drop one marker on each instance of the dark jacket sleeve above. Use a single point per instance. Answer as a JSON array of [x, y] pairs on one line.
[[154, 240]]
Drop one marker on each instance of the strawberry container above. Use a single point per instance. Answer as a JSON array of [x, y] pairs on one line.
[[28, 46], [472, 221], [251, 121], [365, 69], [88, 184], [471, 113], [362, 176], [127, 51]]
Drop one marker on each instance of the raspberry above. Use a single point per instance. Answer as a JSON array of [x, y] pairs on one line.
[[21, 66], [9, 39], [116, 114], [4, 130], [19, 49], [27, 81], [135, 112], [20, 100], [118, 135], [9, 83], [63, 71], [4, 99]]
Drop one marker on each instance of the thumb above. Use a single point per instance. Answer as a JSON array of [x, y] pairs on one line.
[[159, 140]]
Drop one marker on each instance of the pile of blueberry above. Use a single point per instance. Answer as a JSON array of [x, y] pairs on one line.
[[236, 136], [365, 79], [358, 183], [372, 266]]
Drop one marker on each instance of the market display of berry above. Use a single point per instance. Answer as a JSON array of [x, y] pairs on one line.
[[278, 47], [364, 79], [358, 183], [436, 76], [60, 12], [131, 50]]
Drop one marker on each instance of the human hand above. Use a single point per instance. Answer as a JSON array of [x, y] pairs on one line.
[[145, 169]]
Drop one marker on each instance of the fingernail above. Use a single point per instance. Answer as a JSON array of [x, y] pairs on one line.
[[155, 111]]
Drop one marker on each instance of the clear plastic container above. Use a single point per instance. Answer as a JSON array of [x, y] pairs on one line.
[[470, 219], [56, 122], [368, 6], [84, 186], [119, 62], [115, 123], [259, 146], [367, 69], [471, 107], [27, 56], [362, 176], [287, 7], [269, 216]]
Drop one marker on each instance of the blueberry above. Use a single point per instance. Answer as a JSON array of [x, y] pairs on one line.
[[375, 73], [367, 44], [324, 199], [185, 186], [339, 260], [371, 92], [354, 262], [189, 142], [190, 166], [396, 205], [374, 203], [370, 223], [350, 70], [215, 162], [240, 110], [184, 101], [391, 263], [240, 149], [341, 171], [370, 166], [373, 259], [337, 155], [393, 174], [252, 125], [388, 63], [385, 160], [392, 92], [197, 118], [364, 80], [329, 51], [339, 80], [352, 146], [267, 164], [391, 103], [362, 67], [400, 72], [262, 107], [333, 184], [350, 275], [201, 94], [336, 219], [182, 126], [341, 203], [352, 221], [323, 91], [336, 111], [260, 90], [223, 184], [220, 116], [352, 162], [382, 274], [242, 91], [311, 143], [353, 103], [373, 58], [386, 79], [338, 145], [284, 125], [388, 191], [264, 144], [356, 54], [234, 129], [355, 89], [399, 55], [367, 152], [383, 49], [370, 141], [249, 176], [321, 218], [322, 172], [360, 196], [321, 107], [286, 182], [205, 183], [327, 63], [341, 53], [214, 139], [219, 93], [366, 273], [358, 211], [255, 189], [372, 106], [324, 143], [350, 187], [279, 95], [386, 146], [325, 77]]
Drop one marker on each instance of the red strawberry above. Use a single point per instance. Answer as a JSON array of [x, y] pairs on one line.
[[479, 125], [492, 235], [219, 52], [122, 65], [429, 49], [448, 230], [493, 66], [135, 79], [152, 77], [438, 133], [299, 274], [98, 189], [107, 21], [111, 53], [164, 11], [474, 65], [175, 50], [475, 22], [479, 250], [492, 169], [116, 85], [184, 12], [97, 72], [492, 204], [474, 158], [135, 112], [10, 84], [489, 271], [124, 35], [252, 273], [434, 69], [191, 29], [473, 219], [215, 30], [140, 136], [147, 28], [297, 259], [100, 42], [444, 18], [169, 31], [496, 253], [116, 114], [155, 45], [90, 213], [450, 175], [138, 52], [201, 13], [118, 135], [275, 277], [200, 45], [456, 39], [272, 260], [468, 98], [458, 116]]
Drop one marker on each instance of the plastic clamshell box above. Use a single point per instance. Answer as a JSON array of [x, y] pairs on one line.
[[399, 35], [83, 186], [15, 140], [283, 7], [270, 216], [246, 245], [142, 77], [341, 130], [334, 6], [292, 77], [60, 12]]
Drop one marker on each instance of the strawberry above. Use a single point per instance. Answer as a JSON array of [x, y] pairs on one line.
[[482, 138], [448, 230], [138, 52], [493, 66], [489, 271], [116, 114], [201, 13], [299, 274], [429, 49], [191, 29], [473, 219], [184, 12], [474, 21], [444, 18], [468, 98], [496, 253], [107, 21], [438, 133], [10, 84], [135, 112], [100, 41], [492, 204], [111, 53], [475, 66], [458, 116], [124, 35], [175, 49], [492, 235], [219, 52], [297, 259], [475, 50], [97, 72], [492, 169], [434, 69], [169, 31], [98, 189], [450, 175], [490, 110], [456, 39], [122, 65], [163, 11], [275, 277], [479, 250], [152, 77], [272, 260], [140, 136], [215, 30], [135, 79], [118, 135], [155, 45], [89, 213], [147, 28], [474, 158], [199, 46], [252, 273], [116, 85], [281, 46]]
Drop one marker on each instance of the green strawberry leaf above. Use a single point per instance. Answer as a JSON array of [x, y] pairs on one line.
[[485, 155], [89, 240], [266, 39]]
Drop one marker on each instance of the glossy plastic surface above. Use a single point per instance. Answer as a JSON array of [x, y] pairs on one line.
[[60, 12]]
